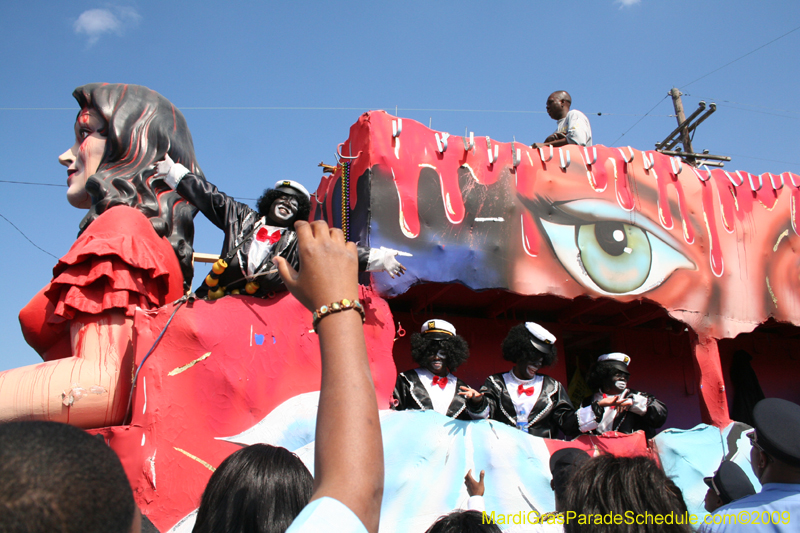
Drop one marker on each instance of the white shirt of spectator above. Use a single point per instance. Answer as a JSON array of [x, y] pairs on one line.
[[522, 402], [576, 127], [441, 398]]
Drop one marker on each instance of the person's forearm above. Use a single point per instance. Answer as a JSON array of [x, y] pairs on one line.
[[349, 450], [555, 144]]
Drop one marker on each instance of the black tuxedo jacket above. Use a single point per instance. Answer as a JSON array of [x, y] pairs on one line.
[[627, 422], [239, 221], [411, 394], [552, 411]]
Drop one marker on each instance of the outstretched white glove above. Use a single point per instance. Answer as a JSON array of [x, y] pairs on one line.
[[385, 259], [172, 171]]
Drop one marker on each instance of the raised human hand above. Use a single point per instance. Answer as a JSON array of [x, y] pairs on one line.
[[475, 487], [615, 401], [471, 395], [330, 266]]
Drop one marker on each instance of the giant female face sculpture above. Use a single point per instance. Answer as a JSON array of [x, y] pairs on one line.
[[81, 322], [141, 126]]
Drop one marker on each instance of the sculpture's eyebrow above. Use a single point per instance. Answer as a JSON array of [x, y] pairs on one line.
[[590, 211]]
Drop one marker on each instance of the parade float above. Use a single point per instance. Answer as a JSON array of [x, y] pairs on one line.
[[609, 248]]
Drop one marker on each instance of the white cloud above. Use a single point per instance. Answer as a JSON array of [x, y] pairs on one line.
[[627, 3], [97, 22]]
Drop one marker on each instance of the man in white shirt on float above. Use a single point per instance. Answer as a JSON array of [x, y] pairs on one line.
[[573, 126]]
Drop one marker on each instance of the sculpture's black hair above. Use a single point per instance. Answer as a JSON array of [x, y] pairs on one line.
[[141, 128]]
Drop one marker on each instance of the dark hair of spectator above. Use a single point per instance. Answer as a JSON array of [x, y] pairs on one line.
[[463, 522], [455, 349], [599, 374], [141, 128], [618, 485], [517, 345], [258, 489], [58, 478], [265, 201]]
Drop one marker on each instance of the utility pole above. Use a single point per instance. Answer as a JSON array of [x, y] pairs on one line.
[[682, 134], [679, 114]]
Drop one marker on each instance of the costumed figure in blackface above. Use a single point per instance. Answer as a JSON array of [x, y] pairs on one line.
[[254, 237], [522, 397], [629, 411], [438, 351]]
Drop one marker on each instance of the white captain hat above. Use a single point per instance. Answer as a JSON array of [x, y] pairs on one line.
[[617, 359], [542, 340], [437, 329], [289, 184]]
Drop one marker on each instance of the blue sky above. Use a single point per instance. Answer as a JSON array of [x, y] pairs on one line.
[[270, 88]]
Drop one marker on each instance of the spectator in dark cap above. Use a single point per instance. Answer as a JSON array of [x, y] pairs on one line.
[[563, 464], [729, 483], [775, 458]]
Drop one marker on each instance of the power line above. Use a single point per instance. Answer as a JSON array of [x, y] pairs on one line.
[[638, 121], [362, 109], [741, 57], [761, 112], [765, 159], [732, 105], [742, 103], [30, 241], [34, 183]]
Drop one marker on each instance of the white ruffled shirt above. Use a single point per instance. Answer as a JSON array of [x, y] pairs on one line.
[[523, 403], [441, 398], [264, 240]]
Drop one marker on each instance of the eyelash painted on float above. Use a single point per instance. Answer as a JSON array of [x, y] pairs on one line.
[[607, 249]]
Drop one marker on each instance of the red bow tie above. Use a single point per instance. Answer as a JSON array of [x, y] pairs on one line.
[[522, 390], [442, 382], [263, 234], [612, 406]]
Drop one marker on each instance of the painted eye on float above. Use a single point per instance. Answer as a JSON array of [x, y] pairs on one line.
[[610, 250]]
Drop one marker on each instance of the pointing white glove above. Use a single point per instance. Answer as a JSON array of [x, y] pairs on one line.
[[172, 171], [384, 259]]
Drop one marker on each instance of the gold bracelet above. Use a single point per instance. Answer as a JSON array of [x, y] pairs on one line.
[[338, 307]]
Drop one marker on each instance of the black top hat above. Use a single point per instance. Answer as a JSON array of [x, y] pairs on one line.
[[777, 429], [730, 482]]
